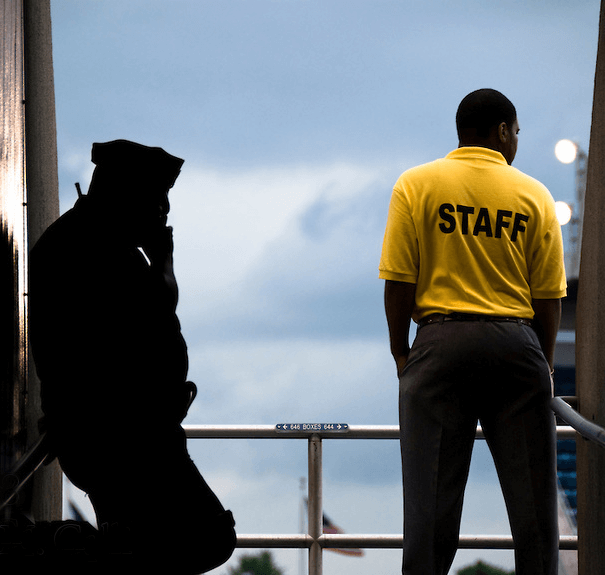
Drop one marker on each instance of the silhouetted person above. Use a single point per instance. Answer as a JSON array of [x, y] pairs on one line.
[[113, 364]]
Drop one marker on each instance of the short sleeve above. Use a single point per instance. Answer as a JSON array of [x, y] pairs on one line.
[[547, 269], [399, 259]]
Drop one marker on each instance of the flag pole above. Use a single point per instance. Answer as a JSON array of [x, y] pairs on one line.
[[301, 518]]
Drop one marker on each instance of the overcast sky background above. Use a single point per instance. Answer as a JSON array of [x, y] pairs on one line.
[[295, 118]]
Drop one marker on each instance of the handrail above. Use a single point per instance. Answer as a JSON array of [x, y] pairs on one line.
[[315, 540], [379, 541], [583, 426], [353, 432], [23, 469]]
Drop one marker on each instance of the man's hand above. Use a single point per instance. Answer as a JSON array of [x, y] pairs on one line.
[[159, 248], [400, 361]]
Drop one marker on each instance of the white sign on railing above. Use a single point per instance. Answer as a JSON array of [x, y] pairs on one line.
[[313, 427]]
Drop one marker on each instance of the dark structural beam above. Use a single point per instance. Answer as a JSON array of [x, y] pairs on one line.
[[590, 337]]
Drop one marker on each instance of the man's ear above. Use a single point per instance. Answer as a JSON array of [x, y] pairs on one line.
[[503, 133]]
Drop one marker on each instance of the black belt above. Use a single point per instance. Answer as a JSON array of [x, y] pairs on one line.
[[440, 318]]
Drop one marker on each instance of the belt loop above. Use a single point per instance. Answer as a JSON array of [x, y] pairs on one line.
[[441, 319]]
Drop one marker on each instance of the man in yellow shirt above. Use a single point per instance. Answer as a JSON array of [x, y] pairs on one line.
[[473, 254]]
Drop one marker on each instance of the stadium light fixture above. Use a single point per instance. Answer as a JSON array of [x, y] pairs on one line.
[[564, 212], [566, 151]]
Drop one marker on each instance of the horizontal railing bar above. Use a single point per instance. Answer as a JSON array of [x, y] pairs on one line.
[[294, 541], [583, 426], [231, 431], [271, 432], [381, 541], [566, 542], [24, 469], [353, 432], [347, 541]]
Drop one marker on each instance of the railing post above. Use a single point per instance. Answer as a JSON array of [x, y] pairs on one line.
[[315, 505]]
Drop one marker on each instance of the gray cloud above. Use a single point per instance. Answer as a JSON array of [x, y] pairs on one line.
[[319, 278]]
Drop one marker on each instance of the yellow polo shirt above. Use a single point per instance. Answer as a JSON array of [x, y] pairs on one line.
[[475, 235]]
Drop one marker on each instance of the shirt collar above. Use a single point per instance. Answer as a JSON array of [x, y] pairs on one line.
[[467, 152]]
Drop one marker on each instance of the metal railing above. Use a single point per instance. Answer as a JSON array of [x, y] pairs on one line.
[[583, 426], [315, 540], [22, 471]]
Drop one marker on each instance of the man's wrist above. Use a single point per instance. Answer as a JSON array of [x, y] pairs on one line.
[[400, 362]]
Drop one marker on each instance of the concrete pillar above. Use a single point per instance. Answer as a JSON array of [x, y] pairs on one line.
[[590, 337], [43, 209], [28, 204]]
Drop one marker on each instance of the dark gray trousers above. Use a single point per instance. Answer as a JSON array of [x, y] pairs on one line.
[[459, 373]]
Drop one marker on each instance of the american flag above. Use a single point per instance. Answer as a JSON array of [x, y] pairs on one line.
[[331, 528]]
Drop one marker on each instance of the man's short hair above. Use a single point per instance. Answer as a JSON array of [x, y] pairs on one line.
[[482, 110]]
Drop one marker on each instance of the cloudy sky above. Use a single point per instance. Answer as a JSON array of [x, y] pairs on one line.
[[295, 118]]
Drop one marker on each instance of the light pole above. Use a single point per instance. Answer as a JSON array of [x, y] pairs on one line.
[[567, 152]]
